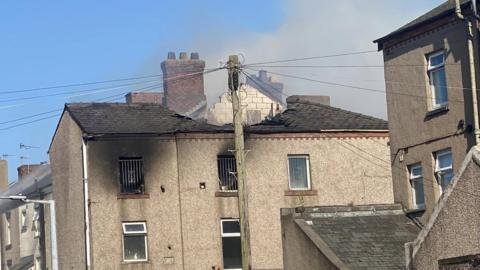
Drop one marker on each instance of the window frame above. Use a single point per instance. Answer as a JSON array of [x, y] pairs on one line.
[[412, 178], [229, 235], [8, 229], [121, 174], [438, 154], [430, 70], [135, 233], [307, 160]]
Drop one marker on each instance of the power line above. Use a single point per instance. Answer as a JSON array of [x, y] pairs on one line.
[[346, 66], [181, 77], [75, 91], [83, 84], [312, 57], [357, 87]]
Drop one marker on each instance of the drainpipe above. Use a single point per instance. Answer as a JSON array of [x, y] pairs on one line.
[[85, 200], [471, 60]]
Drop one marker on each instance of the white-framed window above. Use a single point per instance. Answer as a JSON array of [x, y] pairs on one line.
[[231, 244], [299, 172], [8, 229], [443, 168], [416, 181], [135, 241], [438, 80]]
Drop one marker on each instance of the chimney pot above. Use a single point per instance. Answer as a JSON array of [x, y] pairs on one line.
[[183, 56], [262, 75], [194, 56], [171, 56]]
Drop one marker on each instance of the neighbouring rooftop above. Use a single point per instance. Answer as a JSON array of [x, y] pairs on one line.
[[363, 237]]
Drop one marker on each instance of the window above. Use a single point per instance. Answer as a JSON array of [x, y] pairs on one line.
[[8, 227], [443, 168], [227, 169], [131, 175], [36, 221], [416, 180], [23, 220], [231, 244], [134, 241], [438, 81], [299, 172]]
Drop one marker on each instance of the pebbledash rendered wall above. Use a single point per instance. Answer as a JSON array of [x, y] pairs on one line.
[[412, 124], [183, 220]]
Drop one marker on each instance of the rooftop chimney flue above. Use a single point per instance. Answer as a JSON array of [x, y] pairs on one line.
[[194, 56], [171, 56], [183, 56]]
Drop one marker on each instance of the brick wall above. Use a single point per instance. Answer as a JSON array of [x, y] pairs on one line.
[[140, 97]]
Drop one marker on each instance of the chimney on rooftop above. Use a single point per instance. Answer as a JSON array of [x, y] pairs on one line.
[[308, 99], [183, 84], [24, 170], [144, 97], [3, 175]]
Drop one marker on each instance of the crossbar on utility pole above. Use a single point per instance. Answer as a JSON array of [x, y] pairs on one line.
[[233, 67]]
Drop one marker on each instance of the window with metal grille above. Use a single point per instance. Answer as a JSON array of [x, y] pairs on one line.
[[227, 170], [131, 175]]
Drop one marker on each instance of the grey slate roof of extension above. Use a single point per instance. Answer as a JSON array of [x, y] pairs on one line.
[[444, 9], [314, 117], [123, 118], [365, 237]]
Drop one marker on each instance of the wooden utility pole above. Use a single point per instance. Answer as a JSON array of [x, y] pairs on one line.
[[233, 66]]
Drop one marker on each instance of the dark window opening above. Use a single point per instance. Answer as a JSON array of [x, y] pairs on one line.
[[231, 244], [227, 170], [131, 175]]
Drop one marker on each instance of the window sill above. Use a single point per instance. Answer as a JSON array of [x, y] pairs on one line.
[[437, 111], [226, 193], [136, 262], [312, 192], [122, 196]]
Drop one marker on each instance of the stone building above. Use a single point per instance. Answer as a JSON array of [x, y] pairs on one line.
[[140, 187], [267, 85], [256, 106], [25, 237], [431, 113]]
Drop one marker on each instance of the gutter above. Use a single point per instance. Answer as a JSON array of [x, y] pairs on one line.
[[86, 202], [471, 61]]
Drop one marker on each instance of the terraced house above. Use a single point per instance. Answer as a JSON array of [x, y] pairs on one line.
[[431, 71], [140, 187]]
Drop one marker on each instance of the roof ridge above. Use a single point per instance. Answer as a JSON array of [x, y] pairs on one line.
[[341, 109]]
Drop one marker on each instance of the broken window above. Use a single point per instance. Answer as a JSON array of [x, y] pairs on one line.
[[231, 244], [134, 241], [227, 170], [131, 175]]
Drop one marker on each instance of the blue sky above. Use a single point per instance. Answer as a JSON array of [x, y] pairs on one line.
[[48, 43]]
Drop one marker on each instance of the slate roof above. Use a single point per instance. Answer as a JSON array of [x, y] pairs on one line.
[[137, 118], [314, 117], [444, 9], [365, 237]]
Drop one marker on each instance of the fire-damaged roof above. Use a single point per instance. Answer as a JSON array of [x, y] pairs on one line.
[[144, 118], [315, 117], [445, 9], [359, 237], [135, 118]]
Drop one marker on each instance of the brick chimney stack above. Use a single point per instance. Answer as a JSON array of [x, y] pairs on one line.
[[24, 170], [3, 175], [184, 91]]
